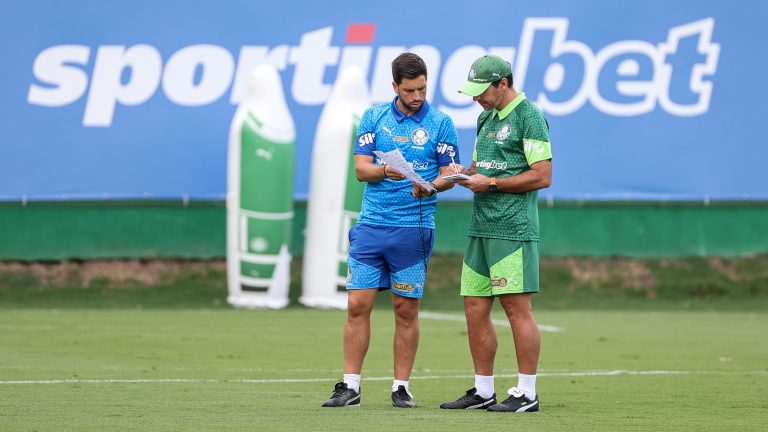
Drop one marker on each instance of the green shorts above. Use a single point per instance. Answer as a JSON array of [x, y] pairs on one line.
[[493, 267]]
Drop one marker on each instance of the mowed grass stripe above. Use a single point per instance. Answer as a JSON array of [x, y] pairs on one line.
[[386, 378]]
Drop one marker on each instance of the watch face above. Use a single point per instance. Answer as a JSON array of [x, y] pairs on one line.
[[492, 187]]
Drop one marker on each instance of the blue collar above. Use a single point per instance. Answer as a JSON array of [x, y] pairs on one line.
[[418, 116]]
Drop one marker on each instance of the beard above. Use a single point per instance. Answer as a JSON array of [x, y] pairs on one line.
[[415, 106], [412, 107]]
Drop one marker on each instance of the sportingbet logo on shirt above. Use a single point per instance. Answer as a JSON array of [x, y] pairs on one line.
[[492, 164]]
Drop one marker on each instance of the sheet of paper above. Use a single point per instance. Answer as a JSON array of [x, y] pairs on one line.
[[457, 176], [396, 160]]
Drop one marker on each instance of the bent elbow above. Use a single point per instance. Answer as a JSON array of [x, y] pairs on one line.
[[359, 175], [546, 181]]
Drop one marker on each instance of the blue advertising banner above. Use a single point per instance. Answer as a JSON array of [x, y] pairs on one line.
[[132, 100]]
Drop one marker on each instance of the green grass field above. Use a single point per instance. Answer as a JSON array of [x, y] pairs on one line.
[[220, 369]]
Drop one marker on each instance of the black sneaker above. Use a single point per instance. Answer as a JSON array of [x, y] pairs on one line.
[[471, 400], [402, 398], [516, 402], [343, 396]]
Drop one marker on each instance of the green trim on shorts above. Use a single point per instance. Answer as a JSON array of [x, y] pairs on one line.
[[471, 278], [514, 267]]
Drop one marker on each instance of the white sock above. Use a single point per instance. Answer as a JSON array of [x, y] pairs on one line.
[[527, 383], [484, 386], [397, 383], [352, 381]]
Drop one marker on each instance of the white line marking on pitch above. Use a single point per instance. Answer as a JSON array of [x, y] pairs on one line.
[[112, 381], [496, 322], [387, 378]]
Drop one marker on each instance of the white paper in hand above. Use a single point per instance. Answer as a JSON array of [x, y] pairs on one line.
[[457, 176], [396, 160]]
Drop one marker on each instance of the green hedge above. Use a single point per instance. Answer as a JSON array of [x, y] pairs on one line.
[[197, 229]]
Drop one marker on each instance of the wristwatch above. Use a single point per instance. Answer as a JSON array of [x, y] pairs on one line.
[[493, 187]]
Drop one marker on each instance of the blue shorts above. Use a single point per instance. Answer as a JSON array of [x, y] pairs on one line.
[[386, 257]]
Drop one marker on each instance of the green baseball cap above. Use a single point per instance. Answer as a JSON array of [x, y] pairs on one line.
[[484, 71]]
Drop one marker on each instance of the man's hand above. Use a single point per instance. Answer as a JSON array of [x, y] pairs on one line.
[[478, 183], [420, 192], [393, 173], [458, 169]]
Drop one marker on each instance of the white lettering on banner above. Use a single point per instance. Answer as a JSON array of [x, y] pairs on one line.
[[69, 83], [311, 57], [639, 72], [216, 65], [651, 91], [250, 57], [628, 68], [107, 89], [697, 84], [381, 82], [560, 46]]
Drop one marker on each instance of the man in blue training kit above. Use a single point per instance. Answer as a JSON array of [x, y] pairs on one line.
[[391, 244]]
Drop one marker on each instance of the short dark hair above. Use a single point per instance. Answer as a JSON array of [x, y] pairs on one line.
[[509, 81], [408, 65]]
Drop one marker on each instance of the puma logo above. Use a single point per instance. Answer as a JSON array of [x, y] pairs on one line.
[[260, 152]]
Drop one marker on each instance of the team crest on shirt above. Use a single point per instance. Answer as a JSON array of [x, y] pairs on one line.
[[504, 132], [420, 136], [402, 286]]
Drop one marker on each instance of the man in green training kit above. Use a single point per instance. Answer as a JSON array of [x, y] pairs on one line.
[[511, 162]]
